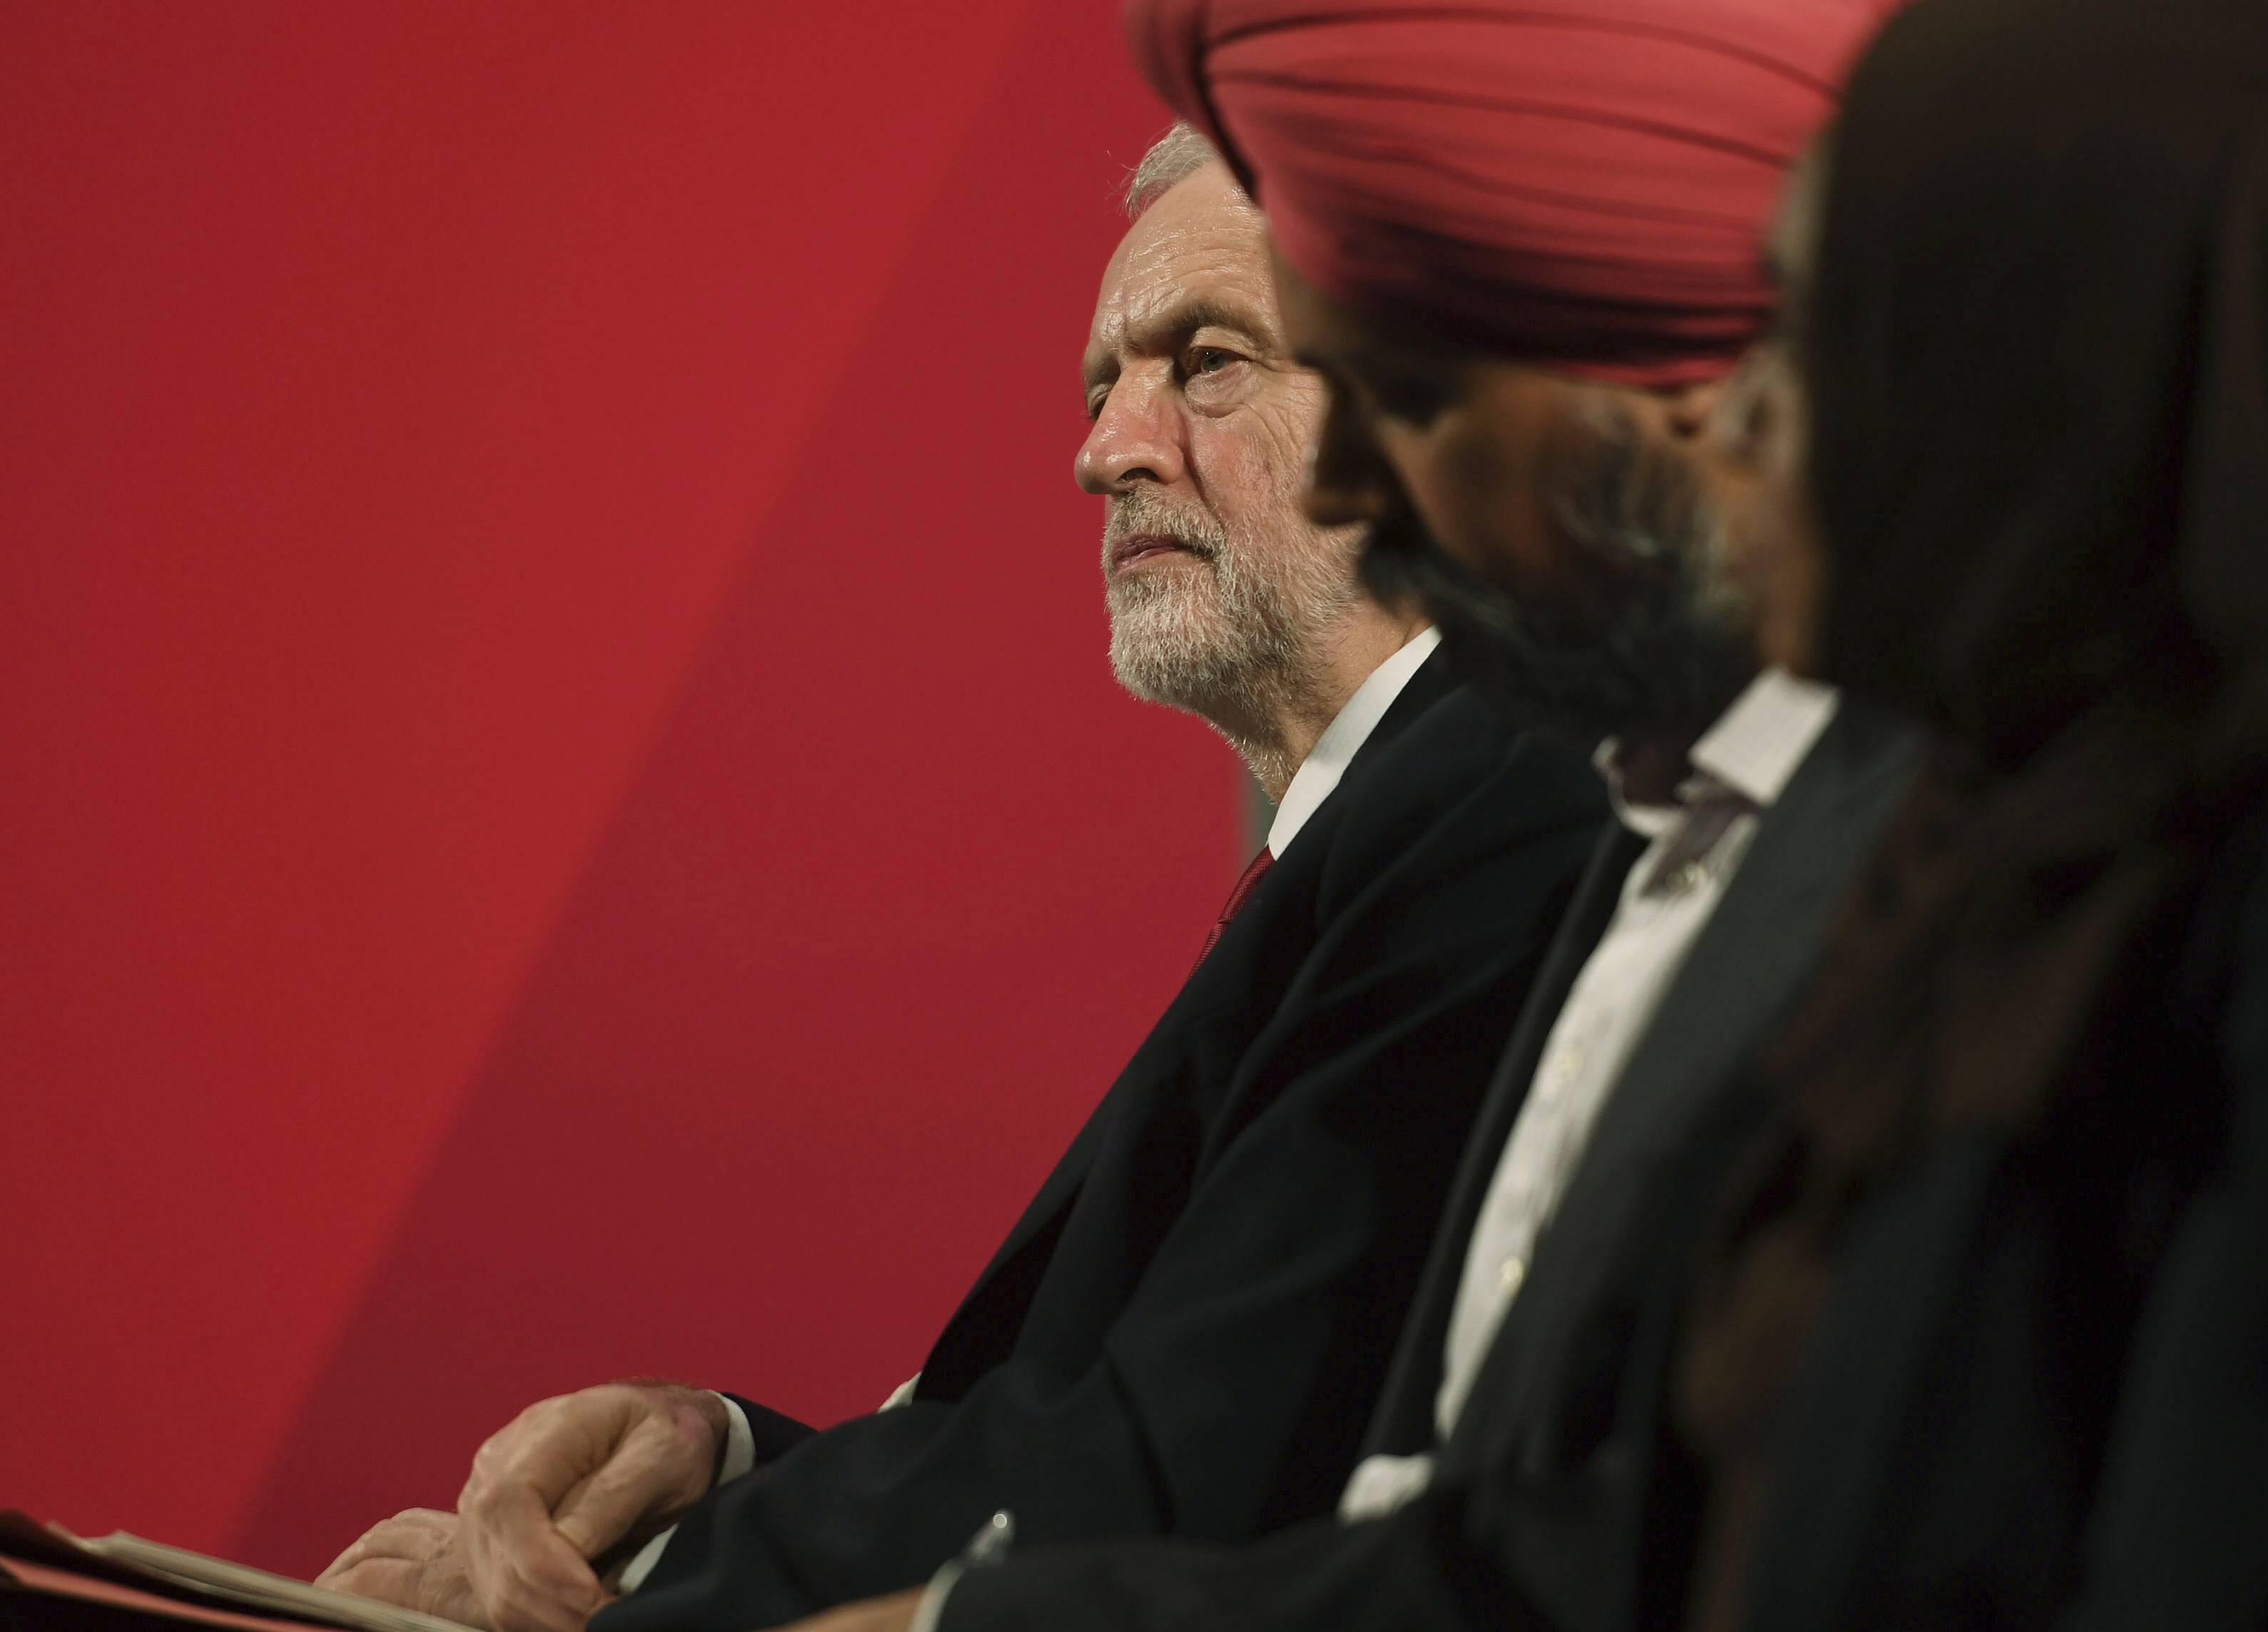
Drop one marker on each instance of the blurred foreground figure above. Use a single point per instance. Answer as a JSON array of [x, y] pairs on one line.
[[1981, 1339], [1186, 1329], [1525, 247]]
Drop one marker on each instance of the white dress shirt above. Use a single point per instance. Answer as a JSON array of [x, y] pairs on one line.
[[1741, 766], [1342, 738], [1311, 784]]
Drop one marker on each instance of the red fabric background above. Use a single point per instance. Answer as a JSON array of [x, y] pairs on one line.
[[564, 811]]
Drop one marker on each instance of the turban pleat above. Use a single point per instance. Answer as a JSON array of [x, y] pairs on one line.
[[1583, 184]]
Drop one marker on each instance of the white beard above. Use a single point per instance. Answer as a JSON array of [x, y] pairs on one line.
[[1232, 631]]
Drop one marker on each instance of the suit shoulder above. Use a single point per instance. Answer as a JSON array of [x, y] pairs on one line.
[[1461, 750], [1460, 785]]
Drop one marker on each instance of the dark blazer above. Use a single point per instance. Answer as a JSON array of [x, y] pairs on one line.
[[1540, 1501], [1186, 1329], [2039, 1394]]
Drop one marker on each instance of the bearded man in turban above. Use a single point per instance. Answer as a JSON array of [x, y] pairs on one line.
[[1524, 246]]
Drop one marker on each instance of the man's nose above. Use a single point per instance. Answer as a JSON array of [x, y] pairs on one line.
[[1348, 479], [1137, 436]]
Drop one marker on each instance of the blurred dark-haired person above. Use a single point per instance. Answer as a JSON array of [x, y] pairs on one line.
[[1186, 1330], [1980, 1338], [1524, 247]]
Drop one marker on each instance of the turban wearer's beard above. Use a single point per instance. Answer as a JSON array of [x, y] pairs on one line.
[[1659, 643], [1237, 638]]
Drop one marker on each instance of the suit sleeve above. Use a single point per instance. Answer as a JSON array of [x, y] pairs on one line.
[[1414, 1570], [1236, 1377], [770, 1435]]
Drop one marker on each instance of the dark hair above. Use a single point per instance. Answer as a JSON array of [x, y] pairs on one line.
[[2040, 451], [2035, 347]]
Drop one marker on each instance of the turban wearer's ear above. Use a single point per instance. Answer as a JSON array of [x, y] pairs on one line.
[[1583, 184]]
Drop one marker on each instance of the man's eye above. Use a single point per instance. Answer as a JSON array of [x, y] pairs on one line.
[[1210, 359]]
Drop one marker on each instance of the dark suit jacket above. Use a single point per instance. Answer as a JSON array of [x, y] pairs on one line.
[[2039, 1396], [1539, 1506], [1186, 1331]]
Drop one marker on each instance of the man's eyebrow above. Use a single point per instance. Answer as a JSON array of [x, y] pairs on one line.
[[1185, 317]]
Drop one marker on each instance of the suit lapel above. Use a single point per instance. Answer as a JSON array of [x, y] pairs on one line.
[[1434, 680], [1403, 1420], [1032, 1238], [1428, 685], [1740, 975]]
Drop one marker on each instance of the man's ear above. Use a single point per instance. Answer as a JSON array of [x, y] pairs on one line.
[[1690, 407], [1348, 477]]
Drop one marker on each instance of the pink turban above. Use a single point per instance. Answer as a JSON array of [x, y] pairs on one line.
[[1583, 184]]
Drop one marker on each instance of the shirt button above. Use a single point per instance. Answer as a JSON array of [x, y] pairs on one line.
[[1510, 1274], [1685, 880]]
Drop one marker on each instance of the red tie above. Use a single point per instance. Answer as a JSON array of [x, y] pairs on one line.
[[1237, 897]]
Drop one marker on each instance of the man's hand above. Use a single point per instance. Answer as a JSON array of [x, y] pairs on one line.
[[893, 1613], [568, 1478], [411, 1560]]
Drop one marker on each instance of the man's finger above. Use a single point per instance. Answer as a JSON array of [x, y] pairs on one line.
[[410, 1560], [521, 1603], [661, 1469], [553, 1444], [411, 1584], [412, 1536], [387, 1580], [528, 1576], [565, 1480], [540, 1583]]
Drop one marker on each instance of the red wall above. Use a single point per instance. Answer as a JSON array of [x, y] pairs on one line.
[[562, 812]]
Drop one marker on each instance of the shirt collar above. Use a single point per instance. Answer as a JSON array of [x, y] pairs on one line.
[[1757, 743], [1752, 750], [1648, 821], [1342, 738]]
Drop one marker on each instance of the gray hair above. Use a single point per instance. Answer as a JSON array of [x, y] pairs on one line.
[[1173, 158]]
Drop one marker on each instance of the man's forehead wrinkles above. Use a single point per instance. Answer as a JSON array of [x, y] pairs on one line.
[[1162, 309], [1163, 323], [1185, 261], [1164, 284]]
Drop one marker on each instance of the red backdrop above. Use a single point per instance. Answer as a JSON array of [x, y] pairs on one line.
[[564, 812]]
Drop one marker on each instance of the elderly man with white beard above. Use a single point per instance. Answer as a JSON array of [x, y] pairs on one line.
[[1184, 1333], [1225, 600]]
